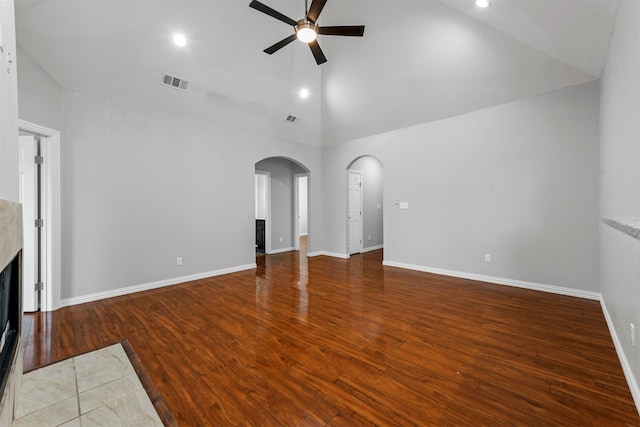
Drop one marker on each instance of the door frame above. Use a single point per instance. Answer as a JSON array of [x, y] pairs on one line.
[[267, 220], [361, 222], [51, 212], [296, 208]]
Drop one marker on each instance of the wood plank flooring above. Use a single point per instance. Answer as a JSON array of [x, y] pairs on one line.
[[330, 342]]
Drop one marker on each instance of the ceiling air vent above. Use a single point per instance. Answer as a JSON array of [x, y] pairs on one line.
[[175, 82], [292, 119]]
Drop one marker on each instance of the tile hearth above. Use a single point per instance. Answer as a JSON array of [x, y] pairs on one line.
[[100, 388]]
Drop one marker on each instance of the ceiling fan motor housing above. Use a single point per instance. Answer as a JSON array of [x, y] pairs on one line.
[[306, 31]]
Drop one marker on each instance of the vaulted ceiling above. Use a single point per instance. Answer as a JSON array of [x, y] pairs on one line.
[[418, 61]]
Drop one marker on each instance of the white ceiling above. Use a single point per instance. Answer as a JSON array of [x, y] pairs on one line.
[[418, 61]]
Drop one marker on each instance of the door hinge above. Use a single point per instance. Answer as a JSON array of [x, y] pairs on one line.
[[39, 160], [39, 286], [39, 223]]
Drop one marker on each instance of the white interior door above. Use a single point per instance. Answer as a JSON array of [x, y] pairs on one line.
[[28, 195], [355, 212]]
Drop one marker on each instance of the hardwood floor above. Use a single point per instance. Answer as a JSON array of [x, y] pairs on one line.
[[337, 342]]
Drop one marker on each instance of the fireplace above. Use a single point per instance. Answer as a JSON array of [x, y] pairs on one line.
[[9, 316], [10, 308]]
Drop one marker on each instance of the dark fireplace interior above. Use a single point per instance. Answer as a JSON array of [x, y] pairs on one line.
[[9, 317]]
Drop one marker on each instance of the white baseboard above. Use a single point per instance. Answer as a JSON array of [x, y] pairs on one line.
[[279, 251], [372, 248], [500, 281], [325, 253], [154, 285], [626, 368]]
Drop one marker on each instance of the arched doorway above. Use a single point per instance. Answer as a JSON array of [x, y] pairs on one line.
[[282, 194], [365, 230]]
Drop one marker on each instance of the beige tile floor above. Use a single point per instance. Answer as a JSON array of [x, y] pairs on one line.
[[100, 388]]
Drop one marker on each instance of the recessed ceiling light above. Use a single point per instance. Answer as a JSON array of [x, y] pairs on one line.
[[180, 40], [304, 93], [483, 3]]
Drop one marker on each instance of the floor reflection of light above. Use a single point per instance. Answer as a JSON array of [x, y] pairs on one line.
[[303, 300]]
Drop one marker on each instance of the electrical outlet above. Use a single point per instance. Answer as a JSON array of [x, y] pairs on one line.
[[632, 332], [369, 237], [281, 240], [179, 260], [487, 257]]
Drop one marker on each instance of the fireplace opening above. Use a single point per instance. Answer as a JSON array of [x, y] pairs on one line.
[[9, 317]]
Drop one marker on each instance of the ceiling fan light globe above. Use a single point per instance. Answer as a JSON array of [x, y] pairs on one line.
[[306, 33]]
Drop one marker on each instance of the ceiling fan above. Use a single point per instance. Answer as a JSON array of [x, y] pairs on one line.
[[307, 28]]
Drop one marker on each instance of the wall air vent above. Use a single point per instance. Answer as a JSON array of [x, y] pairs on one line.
[[175, 82], [292, 119]]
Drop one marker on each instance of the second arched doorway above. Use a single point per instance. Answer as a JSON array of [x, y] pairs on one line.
[[365, 213]]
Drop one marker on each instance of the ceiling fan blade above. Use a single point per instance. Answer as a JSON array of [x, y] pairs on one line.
[[271, 12], [347, 30], [315, 9], [317, 52], [282, 43]]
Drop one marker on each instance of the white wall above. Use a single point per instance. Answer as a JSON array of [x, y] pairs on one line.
[[372, 217], [8, 105], [620, 179], [518, 181]]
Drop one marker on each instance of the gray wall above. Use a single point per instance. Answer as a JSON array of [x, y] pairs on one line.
[[282, 171], [8, 106], [518, 181], [620, 178], [142, 187], [372, 217]]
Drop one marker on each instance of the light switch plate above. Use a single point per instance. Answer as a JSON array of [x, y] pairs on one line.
[[404, 205]]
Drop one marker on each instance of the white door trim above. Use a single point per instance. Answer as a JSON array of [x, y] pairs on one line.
[[296, 208], [360, 223], [267, 220], [51, 211]]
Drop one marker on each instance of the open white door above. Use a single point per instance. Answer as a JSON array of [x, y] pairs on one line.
[[28, 198], [355, 212]]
